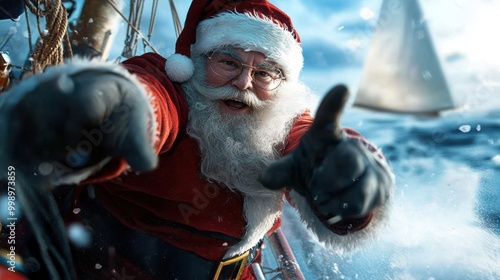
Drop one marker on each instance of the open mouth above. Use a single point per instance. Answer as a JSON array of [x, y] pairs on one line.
[[234, 106]]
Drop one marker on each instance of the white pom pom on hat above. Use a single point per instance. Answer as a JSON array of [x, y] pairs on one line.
[[179, 68], [254, 25]]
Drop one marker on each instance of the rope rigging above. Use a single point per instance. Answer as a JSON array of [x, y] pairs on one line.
[[175, 18], [134, 24], [53, 43], [50, 48], [132, 30], [135, 18], [151, 22]]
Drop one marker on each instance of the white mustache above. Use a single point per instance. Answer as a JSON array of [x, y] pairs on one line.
[[230, 93]]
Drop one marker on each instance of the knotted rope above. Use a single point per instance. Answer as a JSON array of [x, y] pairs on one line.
[[49, 48]]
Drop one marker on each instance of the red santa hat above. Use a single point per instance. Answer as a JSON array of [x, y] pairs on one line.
[[253, 25]]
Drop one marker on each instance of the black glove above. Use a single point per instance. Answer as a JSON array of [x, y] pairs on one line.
[[340, 176], [75, 120]]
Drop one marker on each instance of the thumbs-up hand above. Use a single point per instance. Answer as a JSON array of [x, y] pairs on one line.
[[340, 176]]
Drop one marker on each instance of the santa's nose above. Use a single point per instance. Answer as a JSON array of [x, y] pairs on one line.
[[244, 80]]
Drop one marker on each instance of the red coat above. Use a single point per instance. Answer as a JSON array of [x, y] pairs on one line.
[[176, 191]]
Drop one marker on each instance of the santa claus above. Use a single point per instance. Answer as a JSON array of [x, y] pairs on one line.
[[179, 167]]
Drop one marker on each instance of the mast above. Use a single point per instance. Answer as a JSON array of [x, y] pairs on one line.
[[94, 33], [402, 72]]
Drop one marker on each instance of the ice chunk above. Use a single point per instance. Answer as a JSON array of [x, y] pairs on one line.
[[465, 128]]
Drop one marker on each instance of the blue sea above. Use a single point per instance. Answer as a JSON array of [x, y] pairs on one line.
[[445, 217]]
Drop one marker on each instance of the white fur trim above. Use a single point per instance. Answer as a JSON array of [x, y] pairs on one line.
[[339, 243], [179, 68], [72, 67], [251, 32], [261, 213]]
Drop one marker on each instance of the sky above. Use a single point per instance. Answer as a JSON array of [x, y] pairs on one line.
[[336, 35]]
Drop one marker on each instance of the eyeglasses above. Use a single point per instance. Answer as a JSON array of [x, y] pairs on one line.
[[265, 76]]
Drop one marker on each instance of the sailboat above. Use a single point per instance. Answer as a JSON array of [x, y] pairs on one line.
[[402, 72]]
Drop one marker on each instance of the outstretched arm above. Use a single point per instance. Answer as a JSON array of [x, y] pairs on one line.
[[80, 119], [72, 119], [338, 182]]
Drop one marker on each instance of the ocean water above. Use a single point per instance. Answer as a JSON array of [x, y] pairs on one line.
[[445, 217]]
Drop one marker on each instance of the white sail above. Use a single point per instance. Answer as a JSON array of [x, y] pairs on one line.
[[402, 72]]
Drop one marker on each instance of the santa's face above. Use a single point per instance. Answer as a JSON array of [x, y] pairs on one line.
[[244, 71], [237, 141]]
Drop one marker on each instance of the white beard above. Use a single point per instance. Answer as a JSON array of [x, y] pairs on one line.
[[235, 149]]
